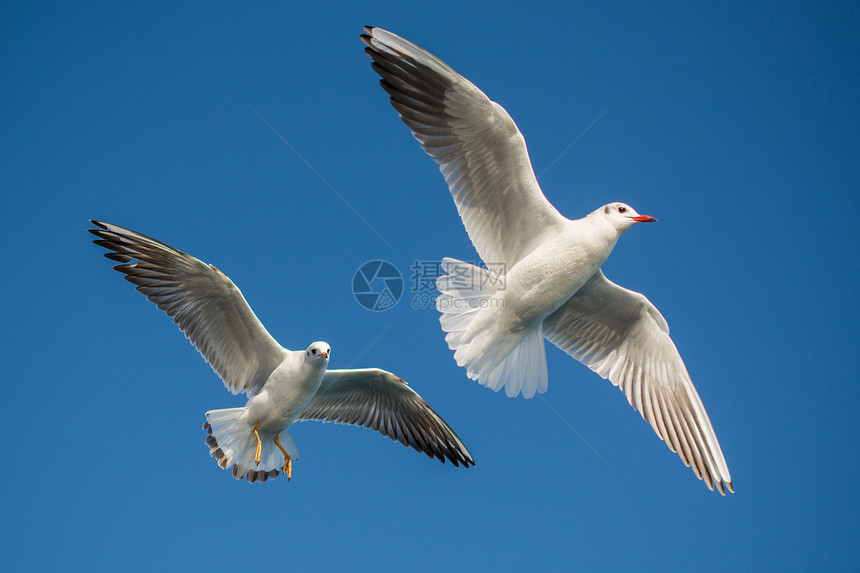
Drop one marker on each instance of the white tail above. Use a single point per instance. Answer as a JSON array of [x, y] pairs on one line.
[[470, 317], [232, 442]]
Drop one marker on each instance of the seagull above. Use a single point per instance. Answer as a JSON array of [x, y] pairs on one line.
[[283, 386], [551, 283]]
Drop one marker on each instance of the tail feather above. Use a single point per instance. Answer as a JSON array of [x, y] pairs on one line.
[[232, 443], [522, 369], [515, 361]]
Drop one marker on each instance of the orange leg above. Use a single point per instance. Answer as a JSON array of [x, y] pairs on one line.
[[288, 462], [259, 443]]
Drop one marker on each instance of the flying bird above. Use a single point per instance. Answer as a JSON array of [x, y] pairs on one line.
[[283, 386], [551, 284]]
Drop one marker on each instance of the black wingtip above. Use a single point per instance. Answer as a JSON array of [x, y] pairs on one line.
[[117, 257], [100, 233]]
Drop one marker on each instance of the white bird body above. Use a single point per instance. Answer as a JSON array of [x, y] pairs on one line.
[[550, 274], [530, 291], [283, 386], [553, 284], [286, 393], [246, 437]]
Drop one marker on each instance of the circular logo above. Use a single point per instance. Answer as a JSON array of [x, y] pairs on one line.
[[377, 285]]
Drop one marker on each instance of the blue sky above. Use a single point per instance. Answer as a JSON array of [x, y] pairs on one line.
[[735, 125]]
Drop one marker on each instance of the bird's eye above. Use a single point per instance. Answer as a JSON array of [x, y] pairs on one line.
[[313, 350], [622, 209]]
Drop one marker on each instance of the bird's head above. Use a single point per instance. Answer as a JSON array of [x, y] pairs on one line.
[[318, 352], [622, 216]]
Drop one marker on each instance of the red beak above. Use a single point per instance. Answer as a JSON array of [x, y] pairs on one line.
[[324, 354], [644, 219]]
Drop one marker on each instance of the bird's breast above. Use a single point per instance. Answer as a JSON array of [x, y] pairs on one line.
[[541, 282], [285, 394]]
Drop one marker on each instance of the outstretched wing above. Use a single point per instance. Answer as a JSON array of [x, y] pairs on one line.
[[620, 335], [202, 301], [477, 145], [377, 399]]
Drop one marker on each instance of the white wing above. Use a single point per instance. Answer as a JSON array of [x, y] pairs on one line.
[[620, 335], [202, 301], [477, 145], [377, 399]]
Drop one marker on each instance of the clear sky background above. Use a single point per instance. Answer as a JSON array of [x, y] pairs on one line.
[[736, 126]]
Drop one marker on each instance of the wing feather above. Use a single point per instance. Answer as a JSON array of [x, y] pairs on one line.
[[205, 304], [479, 149], [620, 335], [379, 400]]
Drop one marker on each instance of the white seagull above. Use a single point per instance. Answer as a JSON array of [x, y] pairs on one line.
[[552, 284], [282, 385]]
